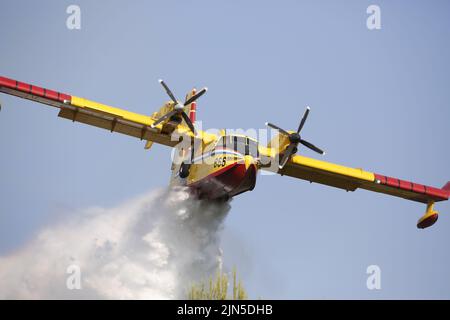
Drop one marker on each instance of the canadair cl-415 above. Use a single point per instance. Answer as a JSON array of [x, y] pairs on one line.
[[221, 166]]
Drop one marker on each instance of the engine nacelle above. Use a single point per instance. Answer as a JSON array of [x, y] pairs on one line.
[[279, 143]]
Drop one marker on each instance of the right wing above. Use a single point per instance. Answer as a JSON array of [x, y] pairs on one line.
[[100, 115], [351, 178]]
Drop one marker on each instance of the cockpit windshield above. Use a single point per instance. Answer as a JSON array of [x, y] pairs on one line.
[[241, 144]]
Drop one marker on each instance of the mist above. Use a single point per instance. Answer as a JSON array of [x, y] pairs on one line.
[[151, 247]]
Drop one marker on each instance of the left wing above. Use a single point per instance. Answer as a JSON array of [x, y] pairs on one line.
[[100, 115]]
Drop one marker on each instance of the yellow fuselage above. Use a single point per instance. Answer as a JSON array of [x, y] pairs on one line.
[[221, 174]]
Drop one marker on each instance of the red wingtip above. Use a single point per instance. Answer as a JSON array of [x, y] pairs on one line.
[[447, 188]]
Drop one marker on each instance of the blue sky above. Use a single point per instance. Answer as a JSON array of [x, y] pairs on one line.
[[379, 101]]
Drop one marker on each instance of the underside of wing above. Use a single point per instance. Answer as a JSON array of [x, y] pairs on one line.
[[114, 120], [326, 173], [407, 189]]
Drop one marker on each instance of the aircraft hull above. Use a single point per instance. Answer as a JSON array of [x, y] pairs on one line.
[[227, 182]]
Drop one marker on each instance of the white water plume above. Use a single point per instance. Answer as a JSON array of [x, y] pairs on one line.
[[152, 247]]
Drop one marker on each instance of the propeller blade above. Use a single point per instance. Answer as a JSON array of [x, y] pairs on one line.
[[188, 122], [302, 122], [168, 91], [287, 154], [164, 117], [311, 146], [277, 128], [196, 96]]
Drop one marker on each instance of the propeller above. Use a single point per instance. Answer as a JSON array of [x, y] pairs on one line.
[[178, 109], [294, 139]]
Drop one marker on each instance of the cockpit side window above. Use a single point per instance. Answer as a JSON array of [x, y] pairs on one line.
[[221, 143], [253, 148], [240, 144]]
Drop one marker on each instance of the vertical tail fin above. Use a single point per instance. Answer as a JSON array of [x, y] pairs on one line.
[[192, 108], [192, 111]]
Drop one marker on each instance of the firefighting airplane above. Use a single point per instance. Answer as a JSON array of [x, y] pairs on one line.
[[220, 166]]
